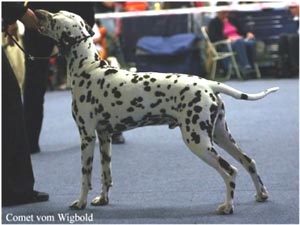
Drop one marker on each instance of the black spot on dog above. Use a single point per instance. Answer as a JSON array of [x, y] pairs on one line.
[[130, 109], [85, 171], [163, 111], [99, 109], [197, 109], [187, 121], [159, 94], [110, 71], [184, 90], [213, 112], [213, 151], [195, 119], [195, 137], [89, 96], [244, 96], [105, 156], [225, 165], [82, 98], [81, 83], [88, 84], [89, 161], [153, 105], [136, 102], [189, 113], [103, 63], [75, 107], [75, 54], [135, 79], [93, 100], [212, 97], [106, 115], [81, 62], [81, 120], [251, 169], [147, 88], [260, 181], [116, 93], [102, 83], [249, 160], [196, 99], [232, 185]]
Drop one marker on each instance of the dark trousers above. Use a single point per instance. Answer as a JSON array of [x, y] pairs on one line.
[[36, 77], [289, 54], [245, 50], [17, 174]]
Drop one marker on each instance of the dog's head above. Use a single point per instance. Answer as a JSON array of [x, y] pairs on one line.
[[64, 27]]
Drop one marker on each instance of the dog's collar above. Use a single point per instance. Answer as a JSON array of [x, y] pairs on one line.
[[66, 43]]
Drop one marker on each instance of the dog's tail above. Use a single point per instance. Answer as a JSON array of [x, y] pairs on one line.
[[225, 89]]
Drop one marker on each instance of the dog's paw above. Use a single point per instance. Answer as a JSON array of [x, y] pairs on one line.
[[100, 200], [76, 205], [262, 196], [225, 209]]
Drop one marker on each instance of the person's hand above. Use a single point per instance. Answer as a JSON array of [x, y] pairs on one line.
[[234, 38], [12, 30], [250, 35], [30, 20]]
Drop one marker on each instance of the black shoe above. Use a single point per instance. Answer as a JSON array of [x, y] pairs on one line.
[[34, 197], [247, 73], [39, 197], [118, 138]]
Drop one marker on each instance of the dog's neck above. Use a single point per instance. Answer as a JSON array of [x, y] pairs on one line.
[[83, 54]]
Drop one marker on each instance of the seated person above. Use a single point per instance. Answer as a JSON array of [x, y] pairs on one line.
[[289, 48], [225, 26]]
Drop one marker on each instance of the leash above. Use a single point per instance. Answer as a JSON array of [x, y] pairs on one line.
[[29, 56]]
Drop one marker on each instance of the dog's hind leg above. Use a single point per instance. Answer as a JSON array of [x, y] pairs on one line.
[[87, 154], [106, 180], [223, 138], [200, 144]]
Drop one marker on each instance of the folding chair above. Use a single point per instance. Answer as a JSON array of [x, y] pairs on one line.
[[221, 55]]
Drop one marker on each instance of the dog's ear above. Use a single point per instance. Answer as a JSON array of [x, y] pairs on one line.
[[65, 42], [89, 29]]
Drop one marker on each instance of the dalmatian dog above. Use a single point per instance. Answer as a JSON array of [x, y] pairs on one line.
[[106, 99]]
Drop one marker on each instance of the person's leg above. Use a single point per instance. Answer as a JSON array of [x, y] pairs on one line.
[[283, 62], [36, 76], [251, 51], [239, 48], [293, 56], [17, 174]]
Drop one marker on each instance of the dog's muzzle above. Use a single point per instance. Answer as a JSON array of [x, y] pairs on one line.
[[43, 17]]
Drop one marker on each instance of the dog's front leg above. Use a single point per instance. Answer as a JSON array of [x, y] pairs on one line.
[[87, 152], [105, 157]]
